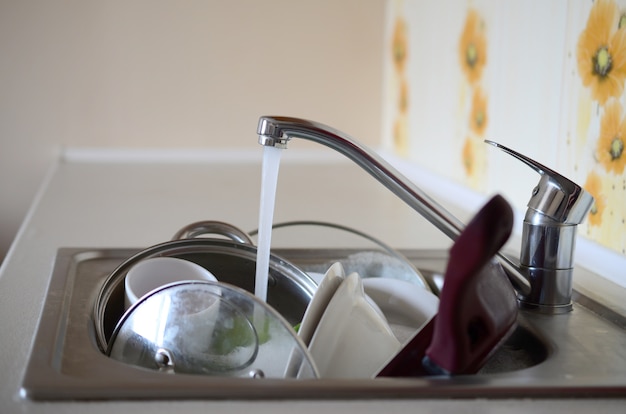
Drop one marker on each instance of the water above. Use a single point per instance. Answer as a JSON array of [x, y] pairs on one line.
[[269, 179]]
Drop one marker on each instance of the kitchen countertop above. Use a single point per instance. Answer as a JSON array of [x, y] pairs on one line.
[[138, 203]]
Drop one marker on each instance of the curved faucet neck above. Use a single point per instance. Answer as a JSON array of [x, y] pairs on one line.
[[276, 131]]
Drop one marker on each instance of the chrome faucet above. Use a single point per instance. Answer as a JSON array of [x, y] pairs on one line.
[[543, 276]]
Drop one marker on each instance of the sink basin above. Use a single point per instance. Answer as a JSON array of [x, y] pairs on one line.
[[577, 354]]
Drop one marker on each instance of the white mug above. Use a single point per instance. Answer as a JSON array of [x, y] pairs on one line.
[[150, 274]]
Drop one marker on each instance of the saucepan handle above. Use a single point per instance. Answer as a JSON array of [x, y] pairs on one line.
[[200, 228]]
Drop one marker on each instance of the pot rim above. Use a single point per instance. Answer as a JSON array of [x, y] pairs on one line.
[[176, 247]]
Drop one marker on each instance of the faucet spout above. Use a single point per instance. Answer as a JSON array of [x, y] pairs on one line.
[[276, 131]]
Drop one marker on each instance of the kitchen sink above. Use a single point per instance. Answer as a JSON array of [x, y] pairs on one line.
[[574, 355]]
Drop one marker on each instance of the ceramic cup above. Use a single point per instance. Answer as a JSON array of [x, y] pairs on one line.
[[150, 274]]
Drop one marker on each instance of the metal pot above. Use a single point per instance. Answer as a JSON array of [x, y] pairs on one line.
[[231, 260]]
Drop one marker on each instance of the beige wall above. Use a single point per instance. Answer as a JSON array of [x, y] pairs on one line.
[[147, 73]]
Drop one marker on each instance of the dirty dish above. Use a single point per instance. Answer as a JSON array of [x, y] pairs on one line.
[[322, 296], [149, 274], [352, 339], [209, 328], [406, 306]]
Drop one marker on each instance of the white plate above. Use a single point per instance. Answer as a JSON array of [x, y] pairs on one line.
[[352, 339], [314, 311], [406, 306]]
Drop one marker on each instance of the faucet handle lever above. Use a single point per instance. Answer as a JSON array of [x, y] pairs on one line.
[[555, 196]]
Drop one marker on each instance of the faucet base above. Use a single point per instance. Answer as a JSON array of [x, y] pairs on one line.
[[544, 309], [551, 290]]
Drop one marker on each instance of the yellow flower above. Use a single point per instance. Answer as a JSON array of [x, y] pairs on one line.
[[403, 103], [594, 186], [401, 135], [399, 44], [610, 149], [473, 47], [468, 157], [601, 52], [478, 120]]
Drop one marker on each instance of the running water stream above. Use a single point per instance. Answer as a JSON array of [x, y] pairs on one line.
[[269, 180]]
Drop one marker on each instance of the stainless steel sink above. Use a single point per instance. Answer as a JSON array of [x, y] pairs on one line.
[[577, 354]]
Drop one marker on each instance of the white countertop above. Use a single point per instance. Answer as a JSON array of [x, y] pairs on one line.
[[138, 204]]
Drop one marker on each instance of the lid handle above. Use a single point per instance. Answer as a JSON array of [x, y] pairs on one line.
[[555, 196]]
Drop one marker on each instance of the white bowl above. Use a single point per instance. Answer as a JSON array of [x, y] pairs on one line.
[[150, 274]]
